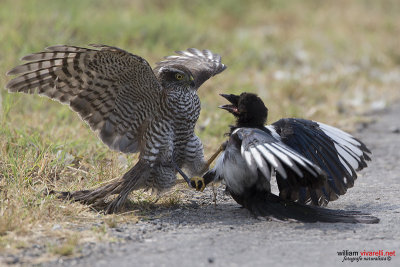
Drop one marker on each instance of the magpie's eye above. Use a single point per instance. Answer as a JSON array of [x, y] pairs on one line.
[[178, 76]]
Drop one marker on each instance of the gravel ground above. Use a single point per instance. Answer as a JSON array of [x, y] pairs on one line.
[[198, 233]]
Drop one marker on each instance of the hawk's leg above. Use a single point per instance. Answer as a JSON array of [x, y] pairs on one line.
[[195, 182], [182, 173], [198, 182]]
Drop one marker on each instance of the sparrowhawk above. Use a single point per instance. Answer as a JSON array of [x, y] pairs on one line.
[[131, 107]]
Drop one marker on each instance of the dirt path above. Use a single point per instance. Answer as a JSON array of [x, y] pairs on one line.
[[199, 234]]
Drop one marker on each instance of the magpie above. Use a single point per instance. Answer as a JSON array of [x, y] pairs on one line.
[[313, 163]]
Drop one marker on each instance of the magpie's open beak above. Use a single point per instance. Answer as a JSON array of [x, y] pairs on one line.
[[232, 108]]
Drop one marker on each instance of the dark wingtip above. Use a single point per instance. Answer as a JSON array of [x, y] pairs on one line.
[[368, 219], [10, 72], [60, 194], [266, 204]]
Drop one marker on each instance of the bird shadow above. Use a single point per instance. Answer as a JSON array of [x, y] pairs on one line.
[[228, 213]]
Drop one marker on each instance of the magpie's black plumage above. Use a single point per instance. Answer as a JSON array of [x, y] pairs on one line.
[[312, 162]]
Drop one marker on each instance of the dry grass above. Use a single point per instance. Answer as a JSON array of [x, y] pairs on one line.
[[324, 60]]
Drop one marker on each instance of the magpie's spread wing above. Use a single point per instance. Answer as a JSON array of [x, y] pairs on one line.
[[263, 151], [252, 155], [338, 153]]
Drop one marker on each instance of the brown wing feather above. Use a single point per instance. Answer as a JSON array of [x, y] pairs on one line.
[[112, 90], [203, 64]]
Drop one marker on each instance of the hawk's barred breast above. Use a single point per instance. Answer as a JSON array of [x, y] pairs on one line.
[[128, 105]]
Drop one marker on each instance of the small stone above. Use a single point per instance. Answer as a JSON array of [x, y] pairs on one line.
[[211, 260], [12, 260], [64, 157], [378, 105], [123, 161], [395, 129], [56, 227]]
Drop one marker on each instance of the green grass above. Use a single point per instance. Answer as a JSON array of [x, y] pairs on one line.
[[325, 60]]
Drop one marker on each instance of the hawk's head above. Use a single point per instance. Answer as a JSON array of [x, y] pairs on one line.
[[178, 76]]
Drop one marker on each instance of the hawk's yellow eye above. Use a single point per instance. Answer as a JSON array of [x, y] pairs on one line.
[[178, 76]]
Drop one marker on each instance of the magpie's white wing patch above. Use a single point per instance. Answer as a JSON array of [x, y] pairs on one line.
[[348, 148], [312, 161], [338, 153], [263, 150]]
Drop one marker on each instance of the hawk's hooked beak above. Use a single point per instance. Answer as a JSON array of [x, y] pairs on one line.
[[234, 99], [192, 83]]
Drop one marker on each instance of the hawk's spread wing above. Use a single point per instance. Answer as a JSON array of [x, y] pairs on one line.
[[338, 153], [112, 90], [203, 64]]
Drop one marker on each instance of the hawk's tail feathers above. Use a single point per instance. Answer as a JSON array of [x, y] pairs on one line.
[[97, 198]]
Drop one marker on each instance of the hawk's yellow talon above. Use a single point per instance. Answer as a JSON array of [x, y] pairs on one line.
[[198, 183]]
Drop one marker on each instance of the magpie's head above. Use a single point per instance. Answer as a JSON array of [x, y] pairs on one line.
[[248, 109]]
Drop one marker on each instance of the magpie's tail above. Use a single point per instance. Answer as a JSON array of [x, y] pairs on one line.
[[267, 204]]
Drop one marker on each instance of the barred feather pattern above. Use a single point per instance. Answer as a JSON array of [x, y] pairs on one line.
[[202, 63], [128, 105], [173, 139], [112, 90]]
